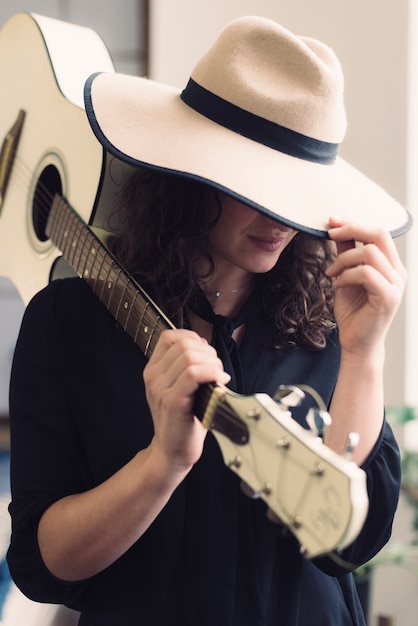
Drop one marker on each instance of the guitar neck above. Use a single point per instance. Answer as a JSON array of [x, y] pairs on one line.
[[129, 304]]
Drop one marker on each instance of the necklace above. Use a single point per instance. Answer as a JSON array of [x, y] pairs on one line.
[[218, 293]]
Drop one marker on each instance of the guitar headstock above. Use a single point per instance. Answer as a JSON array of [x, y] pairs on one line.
[[318, 494]]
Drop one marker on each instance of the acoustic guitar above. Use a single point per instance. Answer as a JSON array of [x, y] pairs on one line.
[[56, 183]]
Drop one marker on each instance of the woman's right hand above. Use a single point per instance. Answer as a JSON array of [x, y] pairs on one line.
[[181, 361]]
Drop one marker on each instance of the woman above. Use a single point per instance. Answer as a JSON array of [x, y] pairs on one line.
[[122, 506]]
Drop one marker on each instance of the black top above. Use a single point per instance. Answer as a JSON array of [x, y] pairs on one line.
[[78, 413]]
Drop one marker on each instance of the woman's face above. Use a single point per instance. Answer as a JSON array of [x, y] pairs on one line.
[[244, 238]]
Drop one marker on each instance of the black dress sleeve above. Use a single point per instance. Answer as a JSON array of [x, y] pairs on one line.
[[45, 464]]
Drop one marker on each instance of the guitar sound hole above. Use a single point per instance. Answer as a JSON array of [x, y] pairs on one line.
[[48, 185]]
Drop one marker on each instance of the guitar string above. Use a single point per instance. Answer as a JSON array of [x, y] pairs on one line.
[[43, 194]]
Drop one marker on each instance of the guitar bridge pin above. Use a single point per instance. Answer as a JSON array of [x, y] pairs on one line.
[[283, 443], [254, 414], [318, 469], [267, 489], [296, 521]]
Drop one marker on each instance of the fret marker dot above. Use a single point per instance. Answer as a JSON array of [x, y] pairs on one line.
[[126, 305], [145, 329], [109, 285]]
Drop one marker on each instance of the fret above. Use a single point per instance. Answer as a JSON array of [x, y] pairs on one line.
[[158, 329], [118, 289], [138, 328], [52, 227], [130, 307], [112, 281], [60, 232], [86, 270], [81, 242], [80, 234], [122, 309], [107, 266], [101, 255], [150, 336], [68, 237], [72, 241]]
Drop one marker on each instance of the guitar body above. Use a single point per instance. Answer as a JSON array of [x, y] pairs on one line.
[[56, 151]]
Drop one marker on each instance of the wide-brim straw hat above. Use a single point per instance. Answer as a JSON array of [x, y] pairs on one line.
[[261, 119]]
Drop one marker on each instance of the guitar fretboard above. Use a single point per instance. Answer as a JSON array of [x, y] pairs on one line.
[[129, 304]]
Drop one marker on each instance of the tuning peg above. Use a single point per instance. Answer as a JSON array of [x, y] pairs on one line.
[[351, 444], [318, 421], [288, 395]]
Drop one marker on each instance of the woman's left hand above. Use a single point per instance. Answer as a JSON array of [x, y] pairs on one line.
[[369, 282]]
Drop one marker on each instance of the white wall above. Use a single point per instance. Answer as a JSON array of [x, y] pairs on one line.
[[411, 352], [118, 22]]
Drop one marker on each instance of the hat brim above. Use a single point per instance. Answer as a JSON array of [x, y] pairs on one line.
[[143, 122]]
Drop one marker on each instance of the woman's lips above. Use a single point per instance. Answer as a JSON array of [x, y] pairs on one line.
[[267, 243]]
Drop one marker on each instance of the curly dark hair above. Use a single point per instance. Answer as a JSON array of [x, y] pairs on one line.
[[163, 225]]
